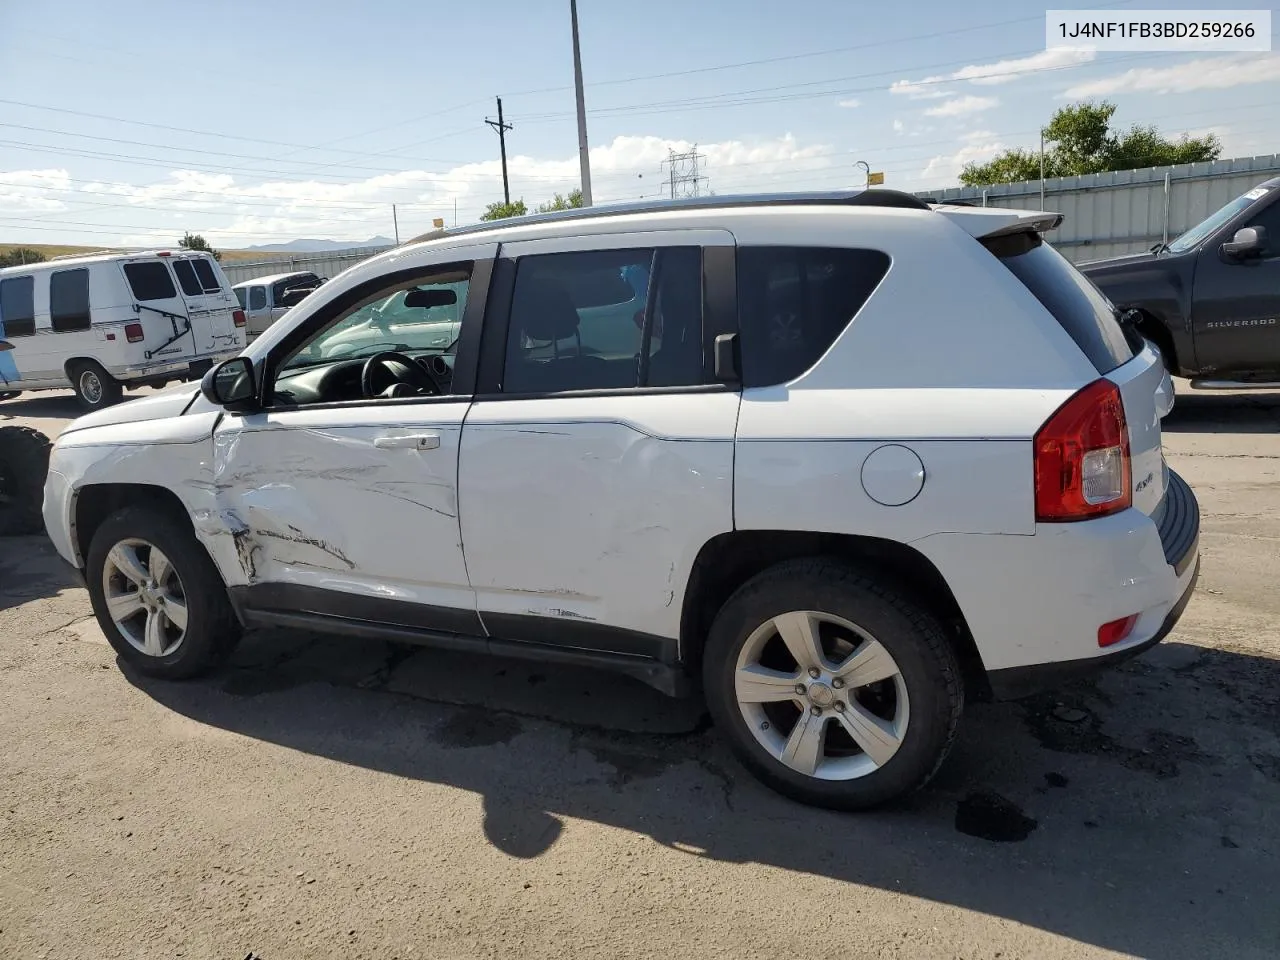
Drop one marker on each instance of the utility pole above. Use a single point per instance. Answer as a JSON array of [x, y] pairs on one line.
[[502, 129], [396, 221], [584, 156], [1042, 169]]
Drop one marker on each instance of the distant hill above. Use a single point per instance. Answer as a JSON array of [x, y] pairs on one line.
[[320, 246]]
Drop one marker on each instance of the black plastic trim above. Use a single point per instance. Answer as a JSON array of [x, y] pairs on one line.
[[1178, 521], [1014, 683], [294, 599], [579, 635]]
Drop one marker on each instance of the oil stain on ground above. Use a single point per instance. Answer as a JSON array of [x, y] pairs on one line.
[[989, 816], [475, 727]]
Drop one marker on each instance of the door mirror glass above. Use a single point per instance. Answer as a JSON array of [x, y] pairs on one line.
[[230, 383], [1248, 242]]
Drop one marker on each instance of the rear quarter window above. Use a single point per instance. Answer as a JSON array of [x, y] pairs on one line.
[[1078, 306], [794, 301], [18, 306]]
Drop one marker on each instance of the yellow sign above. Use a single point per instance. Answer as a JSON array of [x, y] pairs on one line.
[[875, 179], [438, 223]]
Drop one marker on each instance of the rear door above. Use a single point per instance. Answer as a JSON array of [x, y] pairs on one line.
[[159, 326], [209, 302]]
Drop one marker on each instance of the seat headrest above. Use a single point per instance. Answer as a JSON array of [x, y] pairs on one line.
[[545, 311]]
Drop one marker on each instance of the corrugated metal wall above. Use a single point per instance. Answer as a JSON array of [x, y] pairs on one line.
[[328, 264], [1109, 214]]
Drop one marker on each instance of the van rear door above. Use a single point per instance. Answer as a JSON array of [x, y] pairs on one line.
[[158, 329], [210, 303]]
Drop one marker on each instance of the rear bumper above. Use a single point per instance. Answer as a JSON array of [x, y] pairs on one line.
[[1033, 604]]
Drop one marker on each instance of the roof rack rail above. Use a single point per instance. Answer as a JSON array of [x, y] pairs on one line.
[[857, 198], [82, 253]]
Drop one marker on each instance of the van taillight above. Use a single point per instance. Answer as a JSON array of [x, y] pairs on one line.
[[238, 318], [1082, 466], [133, 332]]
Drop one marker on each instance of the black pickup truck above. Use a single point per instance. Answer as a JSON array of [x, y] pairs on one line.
[[1210, 300]]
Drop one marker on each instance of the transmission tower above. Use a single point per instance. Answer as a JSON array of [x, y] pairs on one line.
[[683, 172]]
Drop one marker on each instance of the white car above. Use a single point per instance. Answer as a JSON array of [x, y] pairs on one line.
[[842, 461]]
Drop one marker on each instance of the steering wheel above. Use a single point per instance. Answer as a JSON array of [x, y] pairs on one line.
[[414, 374]]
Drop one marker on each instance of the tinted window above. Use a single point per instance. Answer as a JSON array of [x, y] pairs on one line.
[[257, 298], [69, 300], [1269, 219], [187, 278], [1216, 220], [1065, 292], [606, 320], [17, 306], [204, 270], [280, 287], [794, 301], [150, 280], [243, 296]]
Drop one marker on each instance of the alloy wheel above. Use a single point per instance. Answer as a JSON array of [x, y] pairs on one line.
[[144, 597]]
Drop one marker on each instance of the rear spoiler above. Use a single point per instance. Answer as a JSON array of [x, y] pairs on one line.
[[986, 222]]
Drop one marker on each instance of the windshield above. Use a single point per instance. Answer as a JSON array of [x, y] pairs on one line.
[[424, 318], [1215, 221]]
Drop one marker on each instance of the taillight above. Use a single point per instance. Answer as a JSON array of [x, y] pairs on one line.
[[133, 332], [1112, 633], [1082, 466], [238, 318]]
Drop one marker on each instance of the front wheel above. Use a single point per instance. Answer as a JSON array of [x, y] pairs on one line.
[[157, 595], [832, 688]]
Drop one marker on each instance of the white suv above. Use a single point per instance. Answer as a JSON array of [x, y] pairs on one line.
[[845, 461]]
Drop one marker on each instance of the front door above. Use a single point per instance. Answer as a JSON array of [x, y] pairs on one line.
[[1236, 305], [598, 457], [342, 496]]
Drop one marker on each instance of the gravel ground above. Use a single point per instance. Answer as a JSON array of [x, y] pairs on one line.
[[338, 798]]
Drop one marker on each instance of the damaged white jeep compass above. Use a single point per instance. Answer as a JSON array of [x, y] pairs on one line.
[[841, 461]]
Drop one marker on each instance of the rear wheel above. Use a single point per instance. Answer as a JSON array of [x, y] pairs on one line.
[[24, 464], [157, 595], [833, 689], [94, 387]]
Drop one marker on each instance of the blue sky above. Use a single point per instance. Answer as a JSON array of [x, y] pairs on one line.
[[257, 122]]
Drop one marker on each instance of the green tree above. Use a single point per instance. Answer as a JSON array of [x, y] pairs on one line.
[[19, 256], [1079, 140], [572, 202], [500, 211], [193, 241]]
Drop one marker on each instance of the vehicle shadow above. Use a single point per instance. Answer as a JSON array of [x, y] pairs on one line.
[[1207, 412], [30, 569], [42, 406], [1134, 812]]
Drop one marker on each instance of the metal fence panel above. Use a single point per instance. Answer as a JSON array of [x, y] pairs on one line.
[[1125, 211], [327, 264]]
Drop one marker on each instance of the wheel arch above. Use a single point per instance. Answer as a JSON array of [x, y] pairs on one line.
[[728, 560], [95, 502], [1155, 330]]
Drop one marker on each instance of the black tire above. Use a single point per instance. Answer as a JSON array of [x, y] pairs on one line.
[[212, 627], [9, 395], [24, 464], [911, 635], [94, 387]]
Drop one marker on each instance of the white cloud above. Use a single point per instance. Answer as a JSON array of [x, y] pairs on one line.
[[1212, 73], [898, 126], [977, 135], [926, 89], [961, 106], [947, 167], [986, 74], [1006, 71], [31, 190], [850, 103]]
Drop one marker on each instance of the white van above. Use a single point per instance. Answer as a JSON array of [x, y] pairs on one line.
[[264, 300], [100, 322]]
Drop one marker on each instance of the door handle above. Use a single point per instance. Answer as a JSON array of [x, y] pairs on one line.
[[420, 441]]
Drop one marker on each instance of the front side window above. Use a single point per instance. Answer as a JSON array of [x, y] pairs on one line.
[[18, 306], [257, 298], [189, 281], [69, 300], [794, 301], [608, 319], [149, 280]]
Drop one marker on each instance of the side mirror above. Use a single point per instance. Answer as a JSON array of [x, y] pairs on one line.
[[231, 384], [1248, 242]]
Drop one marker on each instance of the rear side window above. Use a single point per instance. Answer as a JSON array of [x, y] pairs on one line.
[[794, 301], [1074, 301], [280, 287], [149, 280], [208, 279], [242, 296], [18, 306], [69, 300], [187, 278]]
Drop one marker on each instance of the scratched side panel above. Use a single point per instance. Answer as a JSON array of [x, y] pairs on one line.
[[594, 509]]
